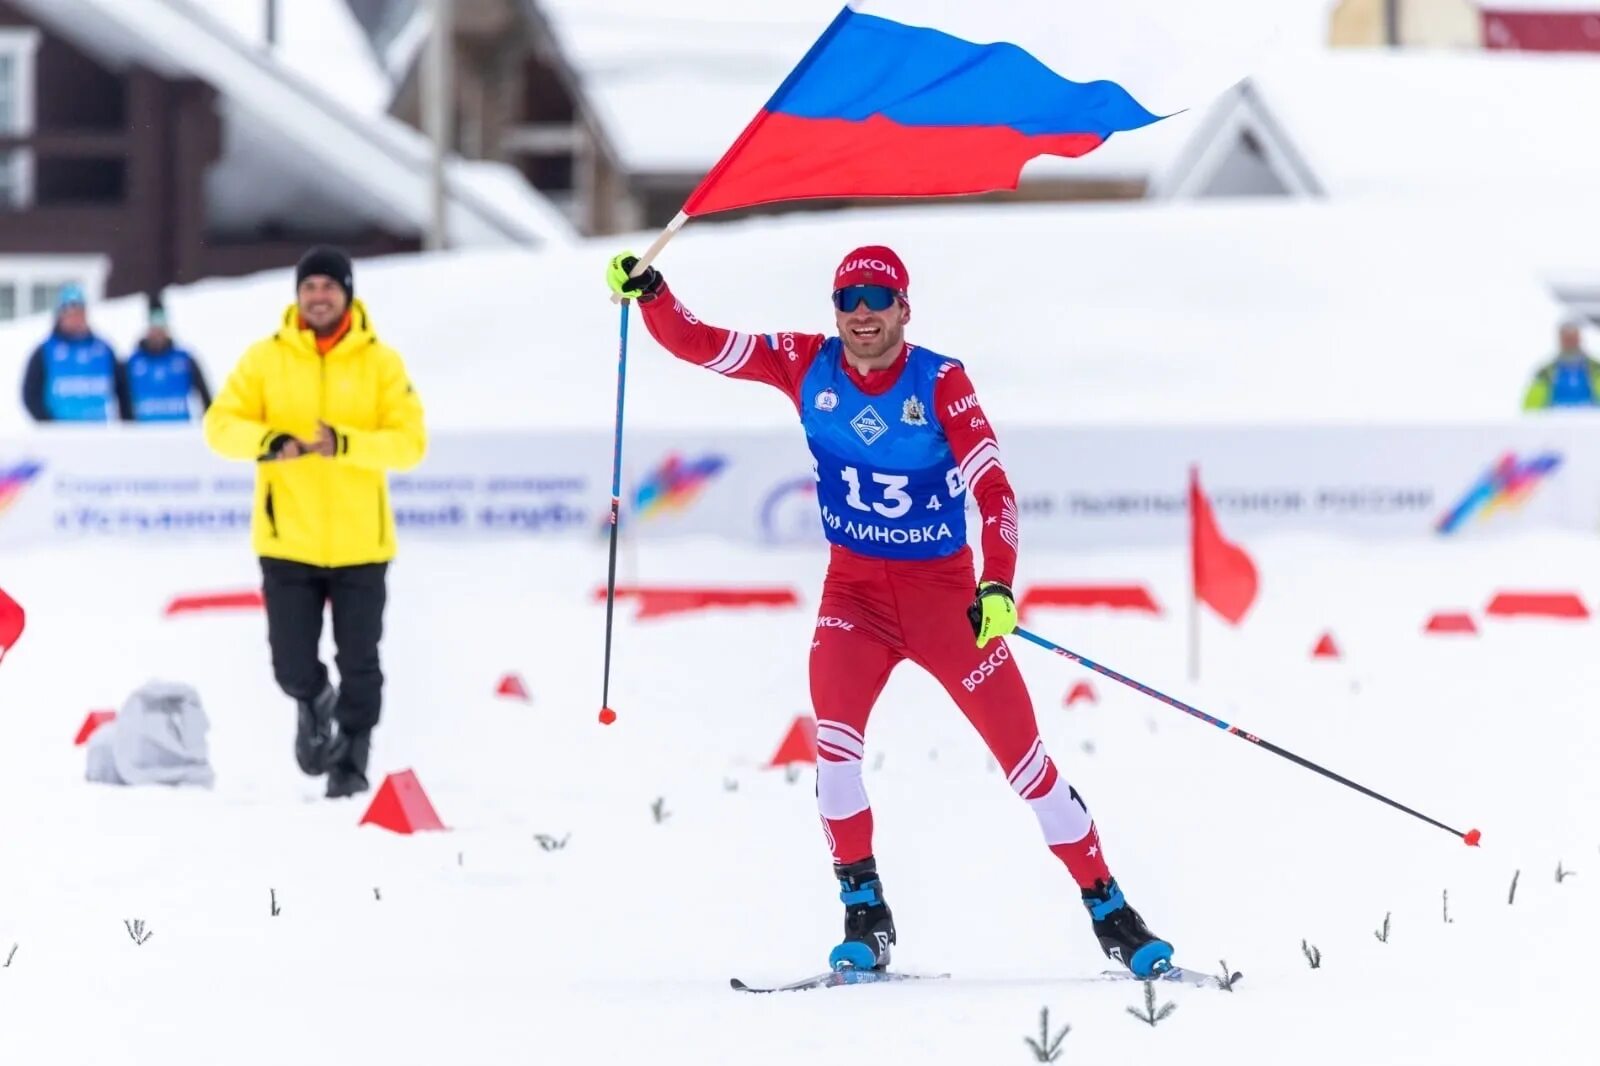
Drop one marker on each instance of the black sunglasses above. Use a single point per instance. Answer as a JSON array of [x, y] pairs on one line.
[[877, 297]]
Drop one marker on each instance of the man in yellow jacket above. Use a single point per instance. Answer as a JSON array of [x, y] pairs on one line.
[[325, 410]]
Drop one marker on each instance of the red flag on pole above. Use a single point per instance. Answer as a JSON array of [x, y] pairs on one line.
[[12, 620], [1224, 575]]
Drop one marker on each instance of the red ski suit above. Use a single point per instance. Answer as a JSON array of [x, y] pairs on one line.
[[876, 612]]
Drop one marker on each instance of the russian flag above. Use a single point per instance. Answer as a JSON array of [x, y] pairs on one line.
[[945, 97]]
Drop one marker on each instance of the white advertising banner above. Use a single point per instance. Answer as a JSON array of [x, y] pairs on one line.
[[1081, 487]]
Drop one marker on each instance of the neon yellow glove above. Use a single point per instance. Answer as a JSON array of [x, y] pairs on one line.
[[642, 288], [993, 612]]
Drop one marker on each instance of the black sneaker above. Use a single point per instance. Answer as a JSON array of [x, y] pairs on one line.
[[1122, 933], [868, 925], [347, 764], [314, 730]]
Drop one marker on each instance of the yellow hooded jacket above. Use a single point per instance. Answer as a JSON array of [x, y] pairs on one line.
[[316, 510]]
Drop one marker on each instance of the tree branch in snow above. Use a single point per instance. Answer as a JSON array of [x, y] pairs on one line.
[[659, 811], [1383, 934], [1562, 875], [1046, 1048], [9, 956], [1150, 1015], [1447, 919], [550, 843], [272, 899], [1312, 953], [1512, 896], [1225, 982], [137, 931]]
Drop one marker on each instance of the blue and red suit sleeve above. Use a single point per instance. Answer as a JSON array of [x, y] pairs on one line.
[[777, 359], [977, 455]]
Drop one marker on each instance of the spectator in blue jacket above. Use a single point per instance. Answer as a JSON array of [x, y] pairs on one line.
[[161, 379], [73, 376]]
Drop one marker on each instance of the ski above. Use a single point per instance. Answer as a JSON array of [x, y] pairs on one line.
[[835, 978], [1196, 978]]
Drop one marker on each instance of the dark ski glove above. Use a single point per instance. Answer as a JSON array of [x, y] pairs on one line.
[[642, 288]]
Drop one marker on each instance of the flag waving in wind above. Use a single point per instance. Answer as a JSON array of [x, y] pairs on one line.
[[945, 97], [1224, 574], [12, 620]]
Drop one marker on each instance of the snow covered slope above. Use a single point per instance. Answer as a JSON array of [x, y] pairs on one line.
[[479, 946], [1137, 313]]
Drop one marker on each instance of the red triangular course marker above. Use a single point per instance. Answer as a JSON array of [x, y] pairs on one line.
[[1538, 604], [799, 744], [401, 806], [660, 602], [511, 686], [1450, 622], [244, 600], [1082, 691], [94, 721], [1326, 648], [1116, 597]]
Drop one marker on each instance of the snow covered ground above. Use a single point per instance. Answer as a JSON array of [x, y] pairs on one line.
[[617, 948]]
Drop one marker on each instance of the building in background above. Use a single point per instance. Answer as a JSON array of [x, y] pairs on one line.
[[517, 101], [1516, 25], [145, 143], [1398, 130]]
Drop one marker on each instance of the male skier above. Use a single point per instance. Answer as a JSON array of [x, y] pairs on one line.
[[898, 438]]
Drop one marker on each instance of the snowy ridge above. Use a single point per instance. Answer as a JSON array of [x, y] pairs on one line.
[[1181, 313]]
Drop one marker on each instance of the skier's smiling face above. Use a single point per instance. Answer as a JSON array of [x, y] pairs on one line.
[[872, 339]]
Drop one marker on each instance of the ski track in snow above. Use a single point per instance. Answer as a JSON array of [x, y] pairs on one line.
[[618, 948]]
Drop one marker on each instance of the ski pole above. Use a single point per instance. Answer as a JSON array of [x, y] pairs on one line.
[[1470, 837], [607, 715]]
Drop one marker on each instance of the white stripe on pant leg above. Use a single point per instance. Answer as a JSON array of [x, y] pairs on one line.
[[1062, 816], [1028, 770], [831, 734], [840, 792]]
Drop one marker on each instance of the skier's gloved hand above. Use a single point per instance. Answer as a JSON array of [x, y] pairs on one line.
[[993, 612], [642, 288]]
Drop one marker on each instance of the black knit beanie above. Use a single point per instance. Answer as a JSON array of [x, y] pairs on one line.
[[330, 262]]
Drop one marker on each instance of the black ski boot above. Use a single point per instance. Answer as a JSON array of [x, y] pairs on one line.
[[1122, 933], [868, 925], [347, 764], [314, 730]]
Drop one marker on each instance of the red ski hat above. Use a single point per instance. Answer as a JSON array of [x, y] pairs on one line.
[[872, 265]]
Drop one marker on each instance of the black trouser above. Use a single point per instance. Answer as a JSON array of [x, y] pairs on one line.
[[295, 595]]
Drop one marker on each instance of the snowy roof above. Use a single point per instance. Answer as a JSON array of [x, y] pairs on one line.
[[290, 135], [1497, 128], [714, 63], [1183, 312], [320, 40]]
